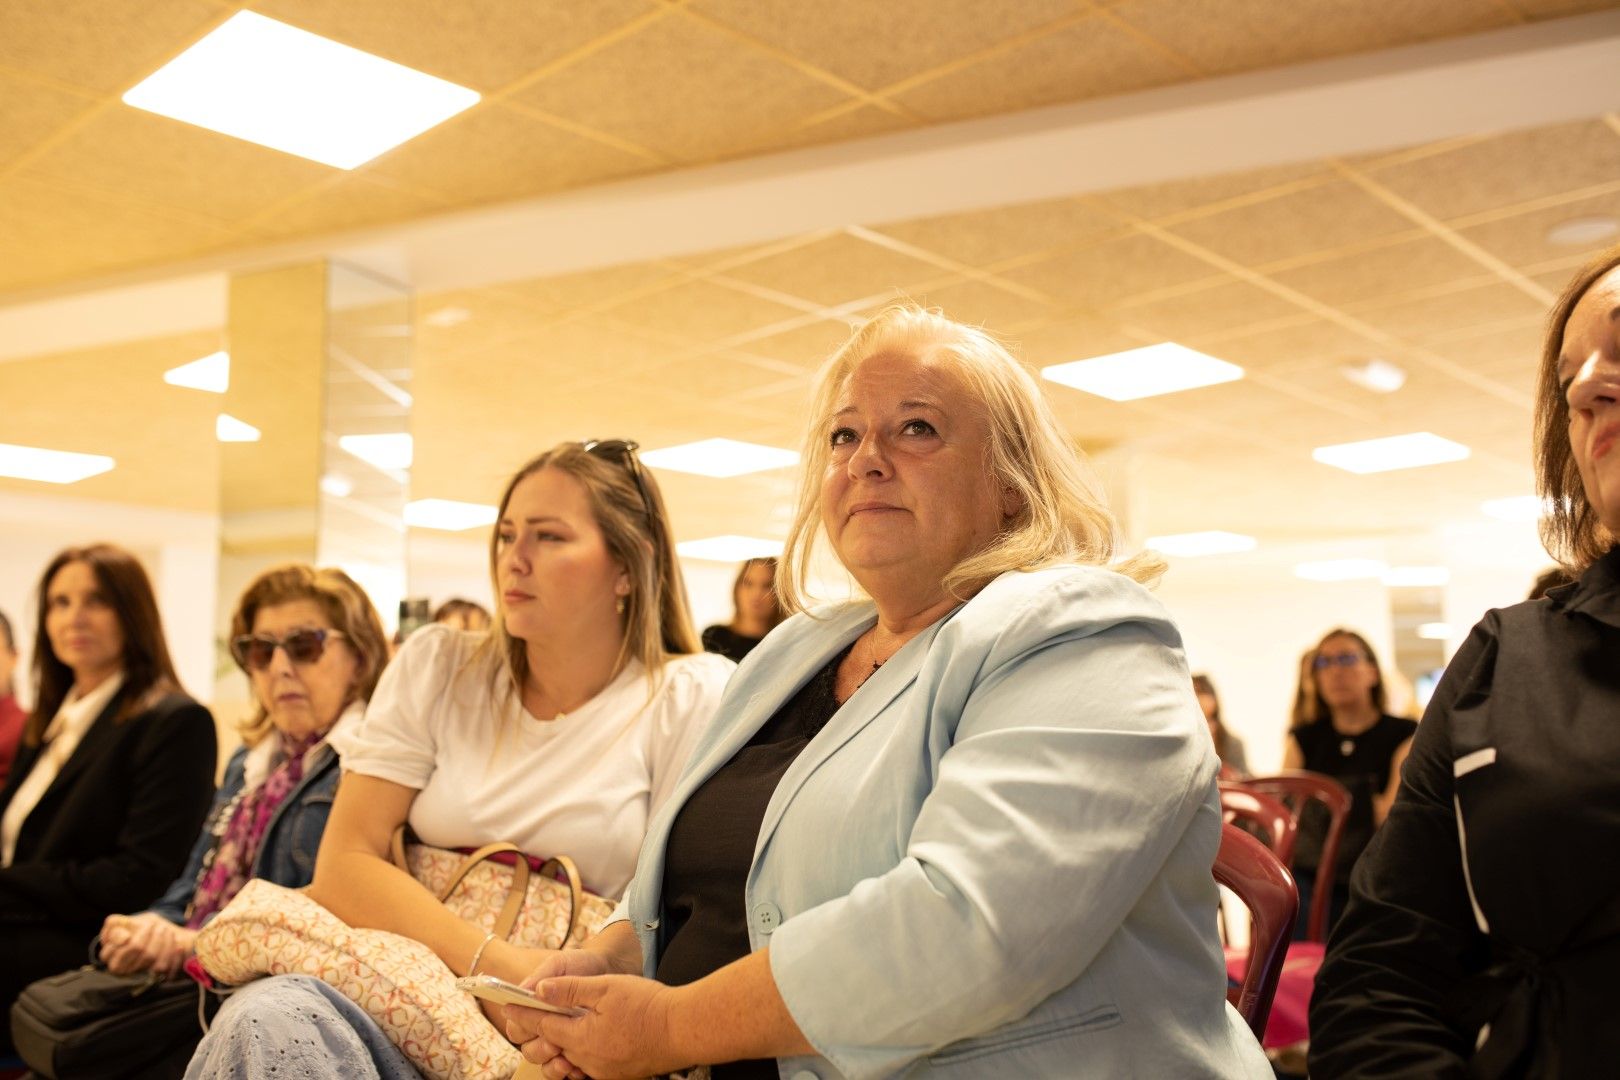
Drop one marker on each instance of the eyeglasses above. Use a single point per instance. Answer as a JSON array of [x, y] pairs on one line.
[[1322, 663], [255, 651], [623, 452]]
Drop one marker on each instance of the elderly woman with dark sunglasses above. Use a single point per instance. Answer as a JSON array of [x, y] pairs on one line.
[[312, 647], [561, 730]]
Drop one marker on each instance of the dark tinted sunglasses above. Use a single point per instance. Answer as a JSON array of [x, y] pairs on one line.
[[255, 651], [623, 453]]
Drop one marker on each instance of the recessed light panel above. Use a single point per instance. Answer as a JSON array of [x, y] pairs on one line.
[[1396, 452], [1416, 577], [1340, 570], [211, 373], [1138, 373], [276, 85], [1213, 542], [392, 451], [720, 457], [50, 466], [448, 514], [729, 548], [1434, 631], [228, 428]]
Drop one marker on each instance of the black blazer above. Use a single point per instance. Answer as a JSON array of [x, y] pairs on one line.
[[116, 824]]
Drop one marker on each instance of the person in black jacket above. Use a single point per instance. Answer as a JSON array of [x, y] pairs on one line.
[[1482, 936], [114, 775], [757, 610]]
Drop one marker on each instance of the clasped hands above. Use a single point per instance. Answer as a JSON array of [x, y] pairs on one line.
[[144, 942], [623, 1029]]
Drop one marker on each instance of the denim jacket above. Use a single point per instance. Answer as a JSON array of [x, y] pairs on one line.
[[286, 855]]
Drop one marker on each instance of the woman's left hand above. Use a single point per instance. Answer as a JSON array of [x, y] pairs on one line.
[[623, 1031]]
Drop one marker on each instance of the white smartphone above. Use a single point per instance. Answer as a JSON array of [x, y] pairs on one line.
[[502, 992]]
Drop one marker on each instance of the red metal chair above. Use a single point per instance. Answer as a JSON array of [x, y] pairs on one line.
[[1263, 883], [1295, 789], [1240, 805]]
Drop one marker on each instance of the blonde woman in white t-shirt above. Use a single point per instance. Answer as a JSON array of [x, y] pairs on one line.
[[560, 730]]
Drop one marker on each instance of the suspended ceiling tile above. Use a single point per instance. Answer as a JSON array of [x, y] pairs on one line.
[[1111, 271], [32, 113], [877, 45], [47, 234], [1316, 219], [1252, 34], [1522, 239], [1511, 168], [1220, 307], [482, 44], [354, 202], [492, 152], [165, 163], [862, 122], [702, 313], [982, 237], [682, 89], [715, 377], [806, 347], [1303, 343], [1437, 315], [101, 45], [1177, 197], [1391, 271], [470, 321], [1071, 339], [593, 289], [1089, 59], [980, 303], [835, 270]]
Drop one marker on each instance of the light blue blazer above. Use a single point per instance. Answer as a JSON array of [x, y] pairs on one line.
[[995, 858]]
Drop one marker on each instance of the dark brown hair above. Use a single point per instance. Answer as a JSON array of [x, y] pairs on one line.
[[629, 509], [345, 605], [778, 612], [1318, 707], [148, 671], [1570, 528]]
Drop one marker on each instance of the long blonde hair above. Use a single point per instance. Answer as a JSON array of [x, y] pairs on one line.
[[1063, 515], [657, 620]]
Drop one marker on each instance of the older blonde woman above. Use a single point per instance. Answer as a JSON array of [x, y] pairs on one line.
[[1483, 928], [961, 828]]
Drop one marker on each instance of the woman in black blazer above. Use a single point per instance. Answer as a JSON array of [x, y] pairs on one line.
[[114, 774]]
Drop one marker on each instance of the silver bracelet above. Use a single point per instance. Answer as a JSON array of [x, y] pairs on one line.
[[472, 968]]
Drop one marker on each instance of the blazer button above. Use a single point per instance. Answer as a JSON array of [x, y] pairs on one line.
[[767, 917]]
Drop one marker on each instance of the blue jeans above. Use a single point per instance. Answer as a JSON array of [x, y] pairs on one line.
[[295, 1026]]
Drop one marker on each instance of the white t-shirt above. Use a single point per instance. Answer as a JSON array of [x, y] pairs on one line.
[[583, 786]]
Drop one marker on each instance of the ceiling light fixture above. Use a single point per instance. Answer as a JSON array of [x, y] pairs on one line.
[[50, 466], [393, 451], [228, 428], [261, 80], [729, 548], [339, 487], [1212, 542], [1395, 452], [1434, 631], [1515, 508], [448, 514], [720, 458], [1166, 368], [1583, 231], [1341, 569], [1416, 577], [446, 317], [211, 373], [1376, 375]]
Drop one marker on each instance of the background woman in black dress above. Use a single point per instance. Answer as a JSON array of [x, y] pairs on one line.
[[756, 611]]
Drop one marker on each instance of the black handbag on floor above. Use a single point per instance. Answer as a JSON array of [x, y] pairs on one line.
[[90, 1024]]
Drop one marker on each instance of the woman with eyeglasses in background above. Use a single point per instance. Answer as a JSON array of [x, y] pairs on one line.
[[1347, 735], [312, 647], [114, 774], [561, 730]]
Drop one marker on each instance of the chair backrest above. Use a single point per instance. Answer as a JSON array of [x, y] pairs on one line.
[[1263, 883], [1240, 804], [1296, 789]]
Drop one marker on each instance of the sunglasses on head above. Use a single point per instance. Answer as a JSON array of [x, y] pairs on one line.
[[623, 453], [1322, 663], [255, 651]]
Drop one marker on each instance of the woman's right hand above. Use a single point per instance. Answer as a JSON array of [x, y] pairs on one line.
[[144, 942]]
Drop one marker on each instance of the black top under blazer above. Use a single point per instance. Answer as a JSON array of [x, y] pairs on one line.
[[114, 827]]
